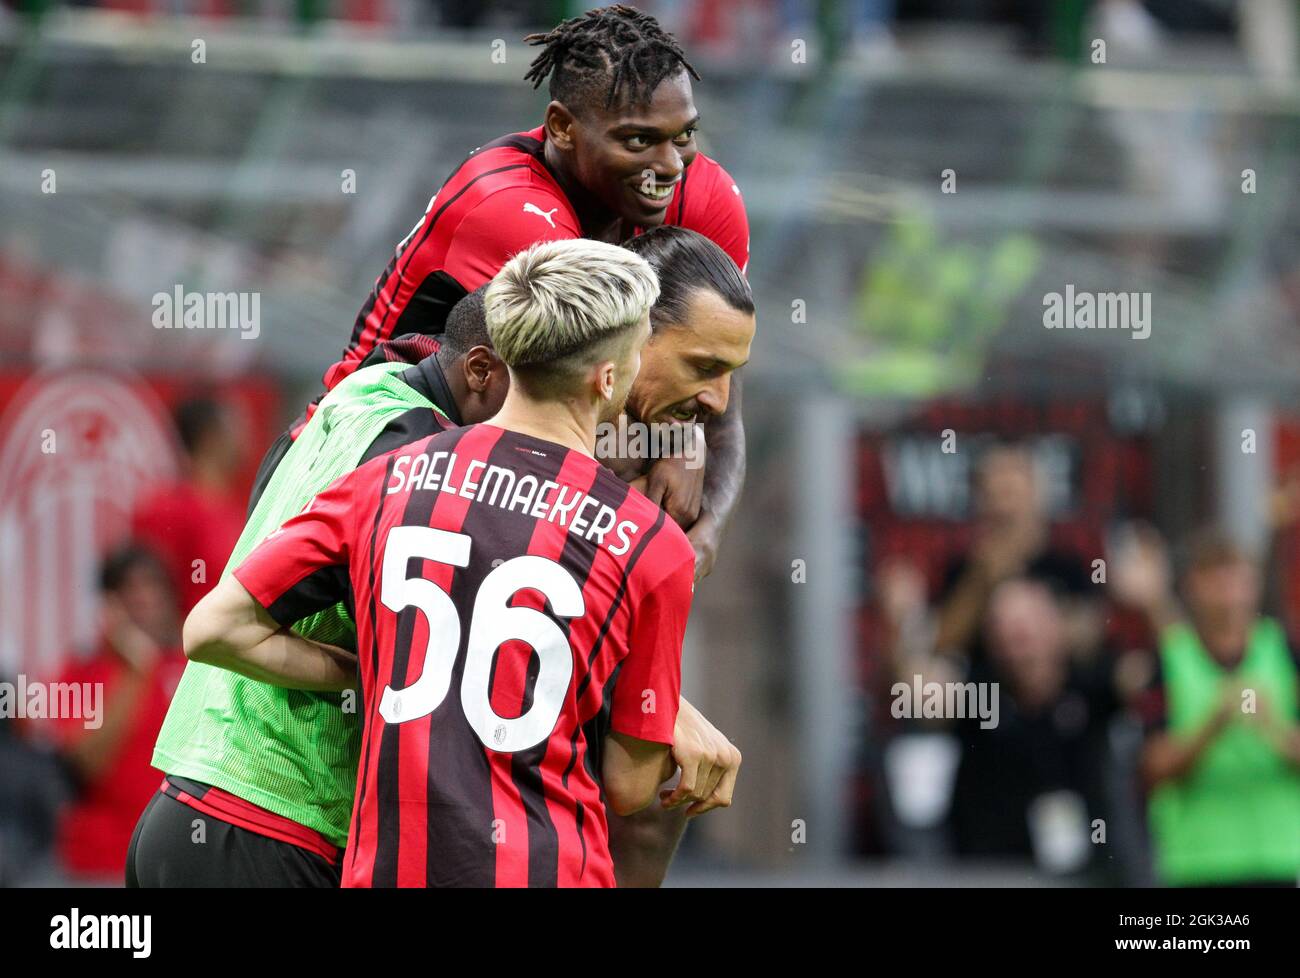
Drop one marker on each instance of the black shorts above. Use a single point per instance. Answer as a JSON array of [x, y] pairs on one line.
[[170, 848]]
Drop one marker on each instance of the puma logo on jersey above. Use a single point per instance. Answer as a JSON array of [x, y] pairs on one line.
[[531, 208]]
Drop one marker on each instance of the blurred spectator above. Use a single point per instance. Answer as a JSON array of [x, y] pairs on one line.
[[138, 664], [1010, 538], [1222, 755], [193, 524], [907, 629], [1281, 587], [35, 784], [1030, 786]]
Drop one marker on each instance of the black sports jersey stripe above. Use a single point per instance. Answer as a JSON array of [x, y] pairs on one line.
[[364, 783], [401, 348], [514, 140], [458, 857], [526, 766], [536, 148], [595, 650], [418, 512], [321, 589], [430, 303], [410, 250], [594, 731], [609, 620], [568, 558]]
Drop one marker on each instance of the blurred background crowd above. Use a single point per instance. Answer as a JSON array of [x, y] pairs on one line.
[[942, 494]]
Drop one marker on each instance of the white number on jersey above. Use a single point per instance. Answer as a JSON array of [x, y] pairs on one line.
[[492, 623]]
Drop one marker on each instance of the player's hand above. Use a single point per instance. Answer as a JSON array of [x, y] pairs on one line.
[[709, 764], [677, 485], [705, 537]]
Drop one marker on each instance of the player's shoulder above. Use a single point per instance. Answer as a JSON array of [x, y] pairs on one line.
[[711, 181], [499, 160], [711, 203], [508, 179], [660, 544], [510, 148], [530, 206], [363, 397]]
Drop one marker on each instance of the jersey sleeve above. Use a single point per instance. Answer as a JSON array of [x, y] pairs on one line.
[[649, 686], [503, 225], [302, 568], [719, 214]]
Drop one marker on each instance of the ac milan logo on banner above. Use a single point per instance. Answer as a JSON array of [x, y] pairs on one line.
[[76, 450]]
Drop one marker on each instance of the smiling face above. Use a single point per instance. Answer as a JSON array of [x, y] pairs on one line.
[[686, 368], [631, 158]]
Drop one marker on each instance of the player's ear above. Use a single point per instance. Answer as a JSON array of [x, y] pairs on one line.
[[559, 123], [478, 366], [607, 379]]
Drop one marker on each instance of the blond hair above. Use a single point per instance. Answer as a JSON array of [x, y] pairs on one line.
[[561, 298]]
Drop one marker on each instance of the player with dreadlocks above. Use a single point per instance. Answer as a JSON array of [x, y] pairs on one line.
[[616, 154]]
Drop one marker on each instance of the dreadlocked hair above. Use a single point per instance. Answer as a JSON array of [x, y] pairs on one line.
[[617, 48]]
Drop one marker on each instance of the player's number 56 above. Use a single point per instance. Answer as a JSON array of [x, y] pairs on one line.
[[493, 622]]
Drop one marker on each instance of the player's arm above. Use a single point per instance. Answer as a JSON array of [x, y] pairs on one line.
[[643, 844], [724, 477], [632, 772], [648, 706], [243, 623], [230, 629]]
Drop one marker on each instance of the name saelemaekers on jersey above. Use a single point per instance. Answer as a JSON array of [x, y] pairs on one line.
[[497, 485]]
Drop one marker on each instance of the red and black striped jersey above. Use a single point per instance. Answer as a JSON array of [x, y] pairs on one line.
[[498, 202], [515, 602]]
